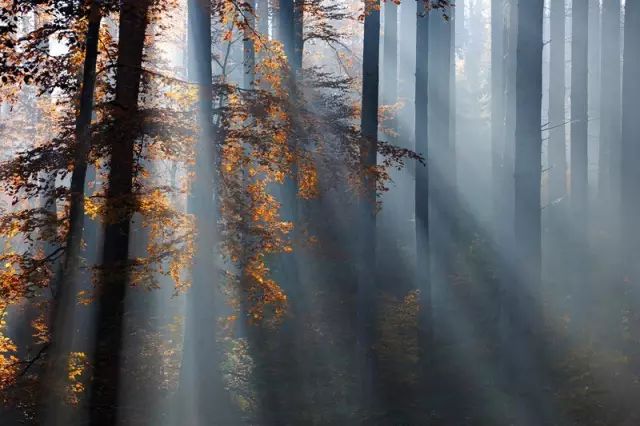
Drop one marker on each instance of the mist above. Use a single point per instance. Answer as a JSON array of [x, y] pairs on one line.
[[319, 212]]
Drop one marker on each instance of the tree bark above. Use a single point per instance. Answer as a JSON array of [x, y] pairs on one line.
[[115, 274], [63, 304], [579, 151], [524, 319], [366, 293]]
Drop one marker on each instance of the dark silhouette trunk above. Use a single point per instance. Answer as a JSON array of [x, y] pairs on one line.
[[526, 368], [115, 259], [298, 36], [65, 288], [249, 60], [630, 151], [366, 294], [441, 159], [423, 258]]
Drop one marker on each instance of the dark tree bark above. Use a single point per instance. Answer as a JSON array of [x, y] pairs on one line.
[[115, 274], [286, 28], [298, 36], [366, 293], [248, 49], [423, 261], [390, 54], [524, 310], [63, 306], [442, 175]]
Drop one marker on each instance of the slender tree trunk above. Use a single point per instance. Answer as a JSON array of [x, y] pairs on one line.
[[115, 274], [630, 151], [423, 261], [63, 304], [262, 10], [525, 298], [298, 36], [389, 237], [366, 296], [579, 150], [249, 53], [557, 117], [556, 244], [610, 114], [497, 107], [205, 398], [442, 176]]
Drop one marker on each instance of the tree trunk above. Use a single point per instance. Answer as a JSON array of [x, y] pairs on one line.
[[497, 107], [204, 397], [524, 311], [579, 151], [630, 172], [610, 119], [63, 304], [423, 259], [298, 36], [557, 140], [115, 273], [249, 60], [442, 176], [366, 296]]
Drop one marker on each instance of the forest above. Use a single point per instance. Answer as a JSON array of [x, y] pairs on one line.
[[319, 212]]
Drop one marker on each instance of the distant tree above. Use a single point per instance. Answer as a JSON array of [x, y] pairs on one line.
[[579, 144], [610, 114], [630, 151], [557, 116], [497, 105], [366, 294]]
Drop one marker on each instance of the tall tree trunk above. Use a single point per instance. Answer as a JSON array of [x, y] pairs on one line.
[[579, 150], [557, 140], [556, 210], [62, 307], [262, 10], [249, 60], [497, 107], [115, 274], [442, 175], [423, 258], [298, 36], [610, 120], [506, 202], [388, 226], [525, 293], [205, 398], [630, 151], [366, 260]]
